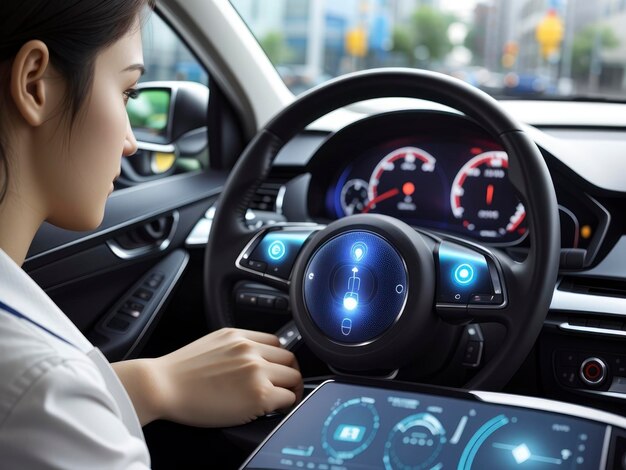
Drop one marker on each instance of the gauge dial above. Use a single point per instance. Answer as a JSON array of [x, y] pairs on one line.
[[350, 428], [482, 198], [415, 443], [354, 196], [406, 183]]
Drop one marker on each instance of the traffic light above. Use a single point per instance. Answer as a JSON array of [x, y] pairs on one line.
[[356, 42], [549, 34], [509, 55]]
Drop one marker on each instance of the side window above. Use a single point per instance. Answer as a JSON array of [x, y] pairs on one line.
[[169, 113], [166, 57]]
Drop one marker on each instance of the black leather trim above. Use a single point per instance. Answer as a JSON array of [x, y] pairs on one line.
[[125, 209]]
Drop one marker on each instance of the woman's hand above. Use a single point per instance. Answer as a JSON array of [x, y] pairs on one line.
[[225, 378]]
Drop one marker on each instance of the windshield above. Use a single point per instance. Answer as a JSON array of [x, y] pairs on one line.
[[556, 49]]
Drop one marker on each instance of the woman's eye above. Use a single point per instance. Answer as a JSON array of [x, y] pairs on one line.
[[131, 94]]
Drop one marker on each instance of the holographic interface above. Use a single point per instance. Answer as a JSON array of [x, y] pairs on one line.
[[355, 286], [353, 426]]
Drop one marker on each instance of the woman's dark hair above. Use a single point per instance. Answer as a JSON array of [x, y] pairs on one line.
[[75, 31]]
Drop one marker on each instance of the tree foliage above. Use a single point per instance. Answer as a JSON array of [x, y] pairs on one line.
[[590, 38], [425, 37], [475, 41], [276, 48]]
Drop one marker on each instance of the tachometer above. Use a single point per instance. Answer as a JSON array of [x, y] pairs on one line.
[[483, 199], [406, 184], [354, 196]]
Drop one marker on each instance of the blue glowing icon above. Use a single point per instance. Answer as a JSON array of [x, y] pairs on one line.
[[346, 326], [358, 251], [277, 250], [464, 274], [350, 301], [351, 298], [521, 453], [300, 451], [349, 433]]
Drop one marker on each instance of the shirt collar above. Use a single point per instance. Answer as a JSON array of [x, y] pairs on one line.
[[21, 293]]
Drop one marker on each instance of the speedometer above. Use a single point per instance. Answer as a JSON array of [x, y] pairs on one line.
[[483, 199], [407, 184]]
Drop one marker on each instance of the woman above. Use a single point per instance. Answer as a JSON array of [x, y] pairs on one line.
[[67, 68]]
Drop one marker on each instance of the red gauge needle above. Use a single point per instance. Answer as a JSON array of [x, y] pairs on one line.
[[489, 194], [379, 198]]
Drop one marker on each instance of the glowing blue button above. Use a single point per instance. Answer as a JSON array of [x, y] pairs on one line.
[[464, 274], [521, 453], [350, 301], [277, 250], [358, 251], [349, 433]]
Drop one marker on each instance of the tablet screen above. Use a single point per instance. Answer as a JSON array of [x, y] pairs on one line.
[[343, 426]]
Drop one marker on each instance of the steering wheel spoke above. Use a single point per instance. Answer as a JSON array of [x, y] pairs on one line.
[[470, 283], [270, 254]]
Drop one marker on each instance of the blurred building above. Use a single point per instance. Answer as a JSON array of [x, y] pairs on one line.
[[166, 57], [613, 61], [315, 31]]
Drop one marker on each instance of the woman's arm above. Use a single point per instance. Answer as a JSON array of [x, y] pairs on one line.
[[139, 379], [225, 378]]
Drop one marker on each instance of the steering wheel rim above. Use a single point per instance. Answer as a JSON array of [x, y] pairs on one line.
[[528, 173]]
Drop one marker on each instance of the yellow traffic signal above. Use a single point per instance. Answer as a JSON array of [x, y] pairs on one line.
[[356, 42], [509, 56], [549, 34]]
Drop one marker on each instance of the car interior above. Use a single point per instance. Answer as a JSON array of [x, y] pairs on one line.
[[448, 268]]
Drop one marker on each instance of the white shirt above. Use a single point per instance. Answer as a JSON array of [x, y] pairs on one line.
[[61, 403]]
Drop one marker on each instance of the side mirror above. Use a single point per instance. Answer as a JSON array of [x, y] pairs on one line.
[[149, 114], [169, 120]]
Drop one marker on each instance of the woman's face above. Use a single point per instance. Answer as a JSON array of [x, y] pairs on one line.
[[81, 165]]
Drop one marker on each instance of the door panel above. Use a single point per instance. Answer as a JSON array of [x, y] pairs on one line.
[[89, 281]]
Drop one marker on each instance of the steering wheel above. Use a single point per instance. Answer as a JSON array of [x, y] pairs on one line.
[[370, 292]]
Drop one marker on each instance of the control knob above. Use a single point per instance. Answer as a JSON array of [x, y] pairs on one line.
[[593, 371]]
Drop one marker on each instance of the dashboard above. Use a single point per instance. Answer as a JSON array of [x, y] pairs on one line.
[[586, 163], [440, 171]]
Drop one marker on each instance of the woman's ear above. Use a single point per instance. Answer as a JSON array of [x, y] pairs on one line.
[[28, 85]]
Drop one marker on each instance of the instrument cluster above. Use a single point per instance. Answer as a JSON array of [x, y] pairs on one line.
[[437, 170]]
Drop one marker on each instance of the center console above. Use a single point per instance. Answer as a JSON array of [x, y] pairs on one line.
[[366, 425]]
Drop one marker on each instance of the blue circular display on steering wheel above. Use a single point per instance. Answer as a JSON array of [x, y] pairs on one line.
[[355, 287]]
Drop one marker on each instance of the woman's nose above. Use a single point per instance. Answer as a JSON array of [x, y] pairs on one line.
[[130, 143]]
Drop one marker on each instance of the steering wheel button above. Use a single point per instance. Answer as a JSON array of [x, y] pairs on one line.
[[276, 252], [487, 299], [452, 298], [473, 353], [266, 301], [247, 299], [464, 276], [258, 266]]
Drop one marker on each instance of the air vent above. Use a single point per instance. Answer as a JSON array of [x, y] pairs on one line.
[[265, 197], [593, 286]]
